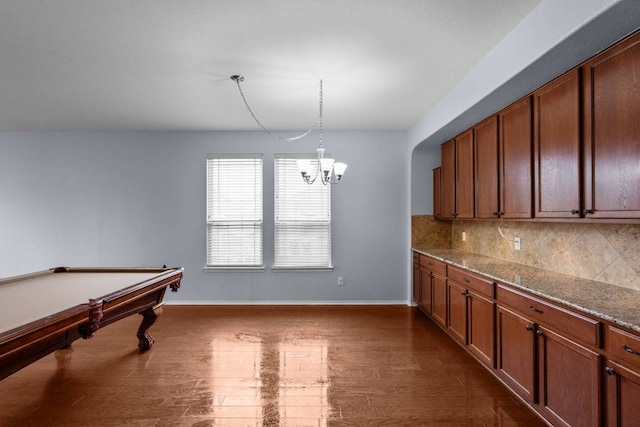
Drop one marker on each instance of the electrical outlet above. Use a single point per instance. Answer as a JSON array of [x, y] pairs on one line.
[[340, 281], [464, 236], [517, 243]]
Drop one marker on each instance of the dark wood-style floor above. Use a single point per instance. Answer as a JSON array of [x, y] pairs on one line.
[[270, 366]]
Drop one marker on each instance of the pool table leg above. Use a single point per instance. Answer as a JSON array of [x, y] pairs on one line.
[[149, 317]]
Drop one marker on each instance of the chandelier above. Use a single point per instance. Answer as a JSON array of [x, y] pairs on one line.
[[327, 169]]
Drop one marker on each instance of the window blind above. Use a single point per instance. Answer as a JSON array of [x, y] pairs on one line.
[[234, 210], [302, 229]]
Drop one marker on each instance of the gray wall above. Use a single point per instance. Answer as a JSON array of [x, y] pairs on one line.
[[138, 199], [424, 159]]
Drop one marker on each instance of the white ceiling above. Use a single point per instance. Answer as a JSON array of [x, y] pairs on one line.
[[165, 64]]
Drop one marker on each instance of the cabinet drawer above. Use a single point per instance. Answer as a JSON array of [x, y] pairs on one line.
[[433, 265], [622, 345], [471, 281], [554, 317]]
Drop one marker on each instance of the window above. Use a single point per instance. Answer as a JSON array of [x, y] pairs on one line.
[[302, 232], [234, 210]]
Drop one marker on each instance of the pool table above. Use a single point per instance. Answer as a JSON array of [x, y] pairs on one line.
[[48, 310]]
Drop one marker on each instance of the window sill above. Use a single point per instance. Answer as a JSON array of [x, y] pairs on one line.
[[232, 269], [299, 269]]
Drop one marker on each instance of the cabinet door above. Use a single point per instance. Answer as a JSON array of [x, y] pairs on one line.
[[516, 345], [556, 108], [611, 132], [516, 168], [464, 175], [457, 311], [437, 193], [425, 290], [439, 299], [623, 395], [416, 282], [569, 381], [482, 328], [485, 136], [448, 175]]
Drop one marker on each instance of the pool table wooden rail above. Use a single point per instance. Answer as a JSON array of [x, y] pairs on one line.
[[25, 344]]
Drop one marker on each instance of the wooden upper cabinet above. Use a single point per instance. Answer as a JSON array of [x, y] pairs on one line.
[[437, 193], [611, 132], [464, 175], [485, 136], [569, 150], [448, 176], [516, 165], [556, 124], [457, 177]]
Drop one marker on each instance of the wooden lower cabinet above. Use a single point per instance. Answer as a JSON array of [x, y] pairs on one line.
[[428, 273], [516, 348], [471, 321], [555, 374], [439, 299], [569, 381], [416, 278], [572, 369], [425, 290], [622, 379], [622, 395], [457, 312], [481, 328]]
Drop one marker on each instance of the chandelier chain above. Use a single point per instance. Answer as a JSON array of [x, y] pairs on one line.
[[318, 122]]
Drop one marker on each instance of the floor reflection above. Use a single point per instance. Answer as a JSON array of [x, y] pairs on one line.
[[304, 380], [277, 382]]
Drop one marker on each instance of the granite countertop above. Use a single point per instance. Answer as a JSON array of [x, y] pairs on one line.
[[609, 302]]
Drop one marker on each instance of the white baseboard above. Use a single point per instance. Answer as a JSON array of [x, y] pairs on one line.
[[288, 302]]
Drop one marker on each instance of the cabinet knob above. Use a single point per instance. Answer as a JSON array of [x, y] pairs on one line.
[[495, 213], [587, 211], [609, 371], [630, 350], [465, 293], [539, 333], [529, 327], [575, 211]]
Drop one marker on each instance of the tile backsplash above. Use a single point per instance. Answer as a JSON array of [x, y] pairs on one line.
[[428, 233], [607, 253]]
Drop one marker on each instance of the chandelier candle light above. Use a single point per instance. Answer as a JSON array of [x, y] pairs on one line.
[[326, 168]]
